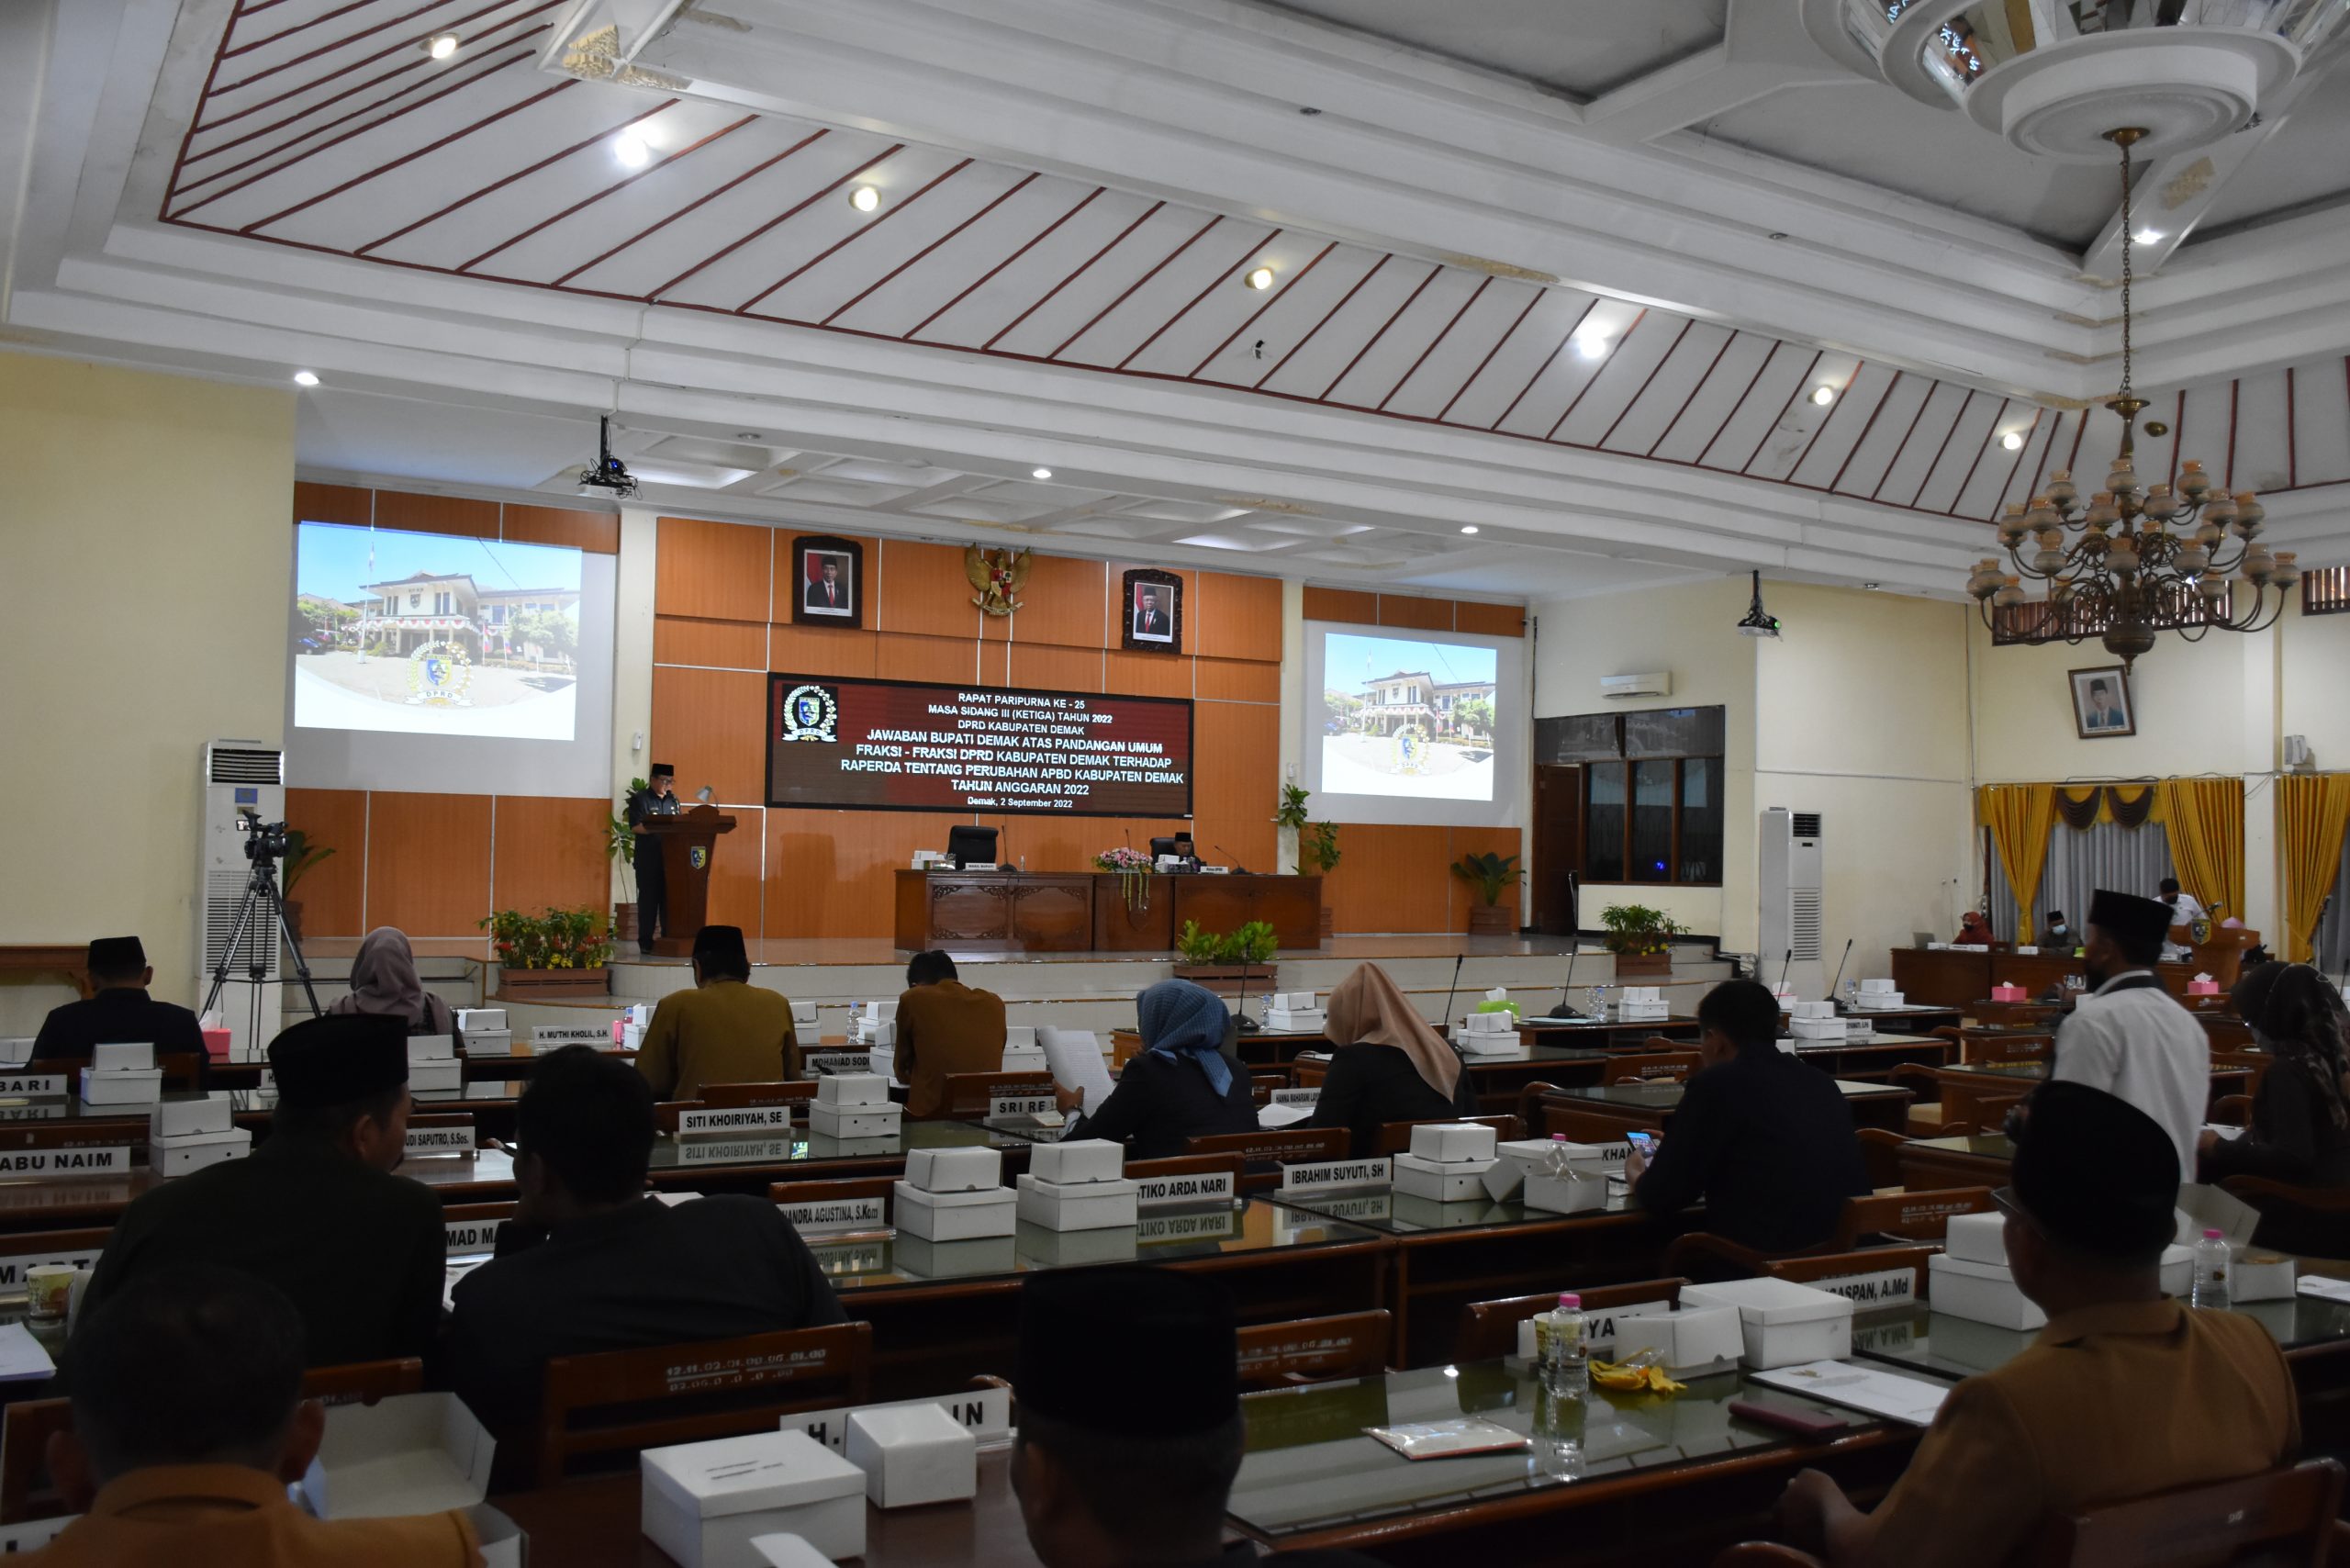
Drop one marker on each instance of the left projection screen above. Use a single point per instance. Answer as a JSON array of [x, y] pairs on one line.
[[426, 633]]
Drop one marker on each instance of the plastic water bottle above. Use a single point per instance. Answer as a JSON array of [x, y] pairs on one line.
[[1851, 996], [2212, 1259], [1559, 1422], [1566, 1345], [1554, 1160]]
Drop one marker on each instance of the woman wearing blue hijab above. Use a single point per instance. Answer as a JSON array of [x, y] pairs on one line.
[[1181, 1086]]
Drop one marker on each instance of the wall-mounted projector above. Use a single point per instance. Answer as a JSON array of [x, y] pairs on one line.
[[1658, 684]]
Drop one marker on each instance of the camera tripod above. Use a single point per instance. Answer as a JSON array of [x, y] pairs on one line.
[[261, 898]]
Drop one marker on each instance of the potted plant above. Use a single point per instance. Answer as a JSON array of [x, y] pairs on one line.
[[301, 855], [1132, 869], [619, 846], [1317, 854], [557, 953], [1229, 964], [1489, 873], [1640, 937]]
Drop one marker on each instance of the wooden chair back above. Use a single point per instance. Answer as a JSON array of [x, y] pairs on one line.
[[682, 1394], [2256, 1063], [1649, 1067], [1395, 1138], [1912, 1216], [2228, 1033], [1261, 1153], [2230, 1110], [1262, 1084], [1529, 1102], [1881, 1152], [1582, 1126], [2279, 1515], [971, 1093], [737, 1096], [1315, 1349], [2005, 1045], [1489, 1329], [1815, 1268], [818, 1194], [1659, 1043]]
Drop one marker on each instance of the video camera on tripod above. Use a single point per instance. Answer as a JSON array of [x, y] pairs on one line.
[[261, 909], [263, 841]]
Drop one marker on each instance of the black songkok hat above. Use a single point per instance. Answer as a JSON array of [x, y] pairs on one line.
[[116, 955], [1074, 1322], [2126, 915], [723, 943], [662, 770], [338, 1059], [2094, 1174]]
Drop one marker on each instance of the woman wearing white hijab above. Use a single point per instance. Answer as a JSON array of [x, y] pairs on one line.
[[1389, 1065]]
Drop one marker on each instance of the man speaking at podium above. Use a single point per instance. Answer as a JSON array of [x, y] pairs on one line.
[[657, 799]]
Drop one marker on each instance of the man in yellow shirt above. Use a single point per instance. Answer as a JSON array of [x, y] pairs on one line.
[[944, 1026], [725, 1030], [189, 1425]]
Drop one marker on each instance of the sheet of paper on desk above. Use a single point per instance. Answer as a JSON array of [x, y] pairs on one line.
[[21, 1357], [1074, 1059], [2323, 1288], [1885, 1394], [1270, 1117], [1444, 1440]]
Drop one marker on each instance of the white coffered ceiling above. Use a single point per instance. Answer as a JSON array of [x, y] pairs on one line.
[[1071, 193]]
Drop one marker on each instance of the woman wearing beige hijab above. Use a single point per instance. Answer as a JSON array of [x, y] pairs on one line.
[[1389, 1065]]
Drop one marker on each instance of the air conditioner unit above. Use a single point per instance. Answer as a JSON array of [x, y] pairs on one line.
[[1659, 684], [1788, 865], [247, 776]]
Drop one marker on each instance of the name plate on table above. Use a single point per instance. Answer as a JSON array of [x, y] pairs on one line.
[[547, 1038], [440, 1140], [107, 1160], [986, 1412], [1886, 1287], [1001, 1105], [822, 1062], [463, 1235], [854, 1257], [1200, 1225], [836, 1213], [36, 1085], [55, 1110], [735, 1151], [1297, 1096], [734, 1119], [13, 1270], [1200, 1187], [1317, 1174]]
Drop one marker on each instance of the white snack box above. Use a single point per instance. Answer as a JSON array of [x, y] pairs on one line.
[[177, 1118], [788, 1550], [447, 1072], [1020, 1037], [1811, 1010], [803, 1015], [472, 1018], [1078, 1160], [854, 1121], [882, 1012], [1533, 1153], [1583, 1188], [913, 1454], [489, 1042], [1817, 1028], [1694, 1343], [1978, 1238], [1448, 1181], [954, 1216], [1030, 1059], [1284, 1021], [2261, 1276], [1867, 986], [1489, 1024], [15, 1051], [1452, 1143], [704, 1503], [1081, 1205], [185, 1152], [1640, 993], [1980, 1292], [430, 1047], [1488, 1044], [121, 1087], [1292, 1001], [407, 1454], [1785, 1324], [1883, 999], [845, 1089], [123, 1057], [954, 1169]]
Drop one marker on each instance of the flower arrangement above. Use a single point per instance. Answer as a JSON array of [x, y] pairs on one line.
[[1133, 868], [554, 939]]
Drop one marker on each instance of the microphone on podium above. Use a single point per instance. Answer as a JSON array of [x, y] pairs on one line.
[[1231, 859]]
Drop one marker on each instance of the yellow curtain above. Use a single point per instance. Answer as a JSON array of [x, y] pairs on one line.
[[2311, 811], [2206, 821], [2019, 816]]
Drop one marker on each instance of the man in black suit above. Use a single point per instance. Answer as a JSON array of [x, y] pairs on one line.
[[118, 1008], [828, 592], [1150, 621]]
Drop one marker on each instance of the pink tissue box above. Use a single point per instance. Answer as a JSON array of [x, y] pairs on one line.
[[2202, 988], [216, 1043], [2006, 994]]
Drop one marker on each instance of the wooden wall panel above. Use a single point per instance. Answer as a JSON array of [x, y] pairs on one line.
[[901, 655], [923, 590], [1148, 675], [1053, 843], [738, 880], [1043, 667], [332, 503], [1492, 619], [427, 863], [459, 515], [598, 533], [1342, 605], [995, 663], [1391, 877], [707, 724], [834, 873], [330, 893], [1063, 604], [1419, 614], [717, 571], [821, 650], [548, 853], [1477, 841], [714, 644], [1238, 618], [785, 592], [1235, 750], [1238, 681]]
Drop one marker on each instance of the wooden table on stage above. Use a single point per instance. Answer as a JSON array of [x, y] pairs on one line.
[[1079, 911], [1651, 1105], [1943, 978]]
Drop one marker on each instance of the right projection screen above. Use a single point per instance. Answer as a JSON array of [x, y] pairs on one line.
[[1423, 727]]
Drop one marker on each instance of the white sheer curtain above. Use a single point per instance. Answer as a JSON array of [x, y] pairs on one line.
[[2334, 936], [2105, 854]]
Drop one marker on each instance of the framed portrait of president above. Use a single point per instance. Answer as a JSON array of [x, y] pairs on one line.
[[828, 586], [1154, 611], [2102, 706]]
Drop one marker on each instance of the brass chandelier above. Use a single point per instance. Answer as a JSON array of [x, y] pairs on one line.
[[2141, 559]]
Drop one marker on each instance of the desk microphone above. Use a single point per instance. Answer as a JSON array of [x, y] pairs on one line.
[[1234, 860], [1446, 1017], [1839, 968], [1566, 1008], [1784, 965], [1240, 1008]]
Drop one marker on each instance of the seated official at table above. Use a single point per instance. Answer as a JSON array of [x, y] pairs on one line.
[[1131, 1468], [117, 1009], [1180, 1085], [942, 1026], [384, 981], [1765, 1139], [2059, 931], [2123, 1394], [591, 1262], [1975, 930], [315, 1209], [725, 1030], [2129, 1036], [2300, 1118], [1389, 1065], [188, 1426]]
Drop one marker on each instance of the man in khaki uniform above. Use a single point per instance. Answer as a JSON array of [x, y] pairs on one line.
[[944, 1026], [2123, 1394], [725, 1030]]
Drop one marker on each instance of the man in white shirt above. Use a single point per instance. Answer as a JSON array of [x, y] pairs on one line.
[[2129, 1036], [2184, 910]]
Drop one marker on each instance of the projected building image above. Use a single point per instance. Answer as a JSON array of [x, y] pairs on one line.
[[1409, 718]]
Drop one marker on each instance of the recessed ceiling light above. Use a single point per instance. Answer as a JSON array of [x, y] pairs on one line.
[[1040, 472], [441, 46], [1261, 278], [2012, 441], [865, 199], [2148, 236], [305, 379], [1592, 345], [1823, 396], [630, 149], [1468, 528]]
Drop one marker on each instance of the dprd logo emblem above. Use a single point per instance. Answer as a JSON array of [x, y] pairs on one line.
[[809, 713], [440, 674], [699, 857]]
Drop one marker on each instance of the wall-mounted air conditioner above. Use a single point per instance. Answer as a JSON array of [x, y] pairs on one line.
[[1788, 868], [1659, 684]]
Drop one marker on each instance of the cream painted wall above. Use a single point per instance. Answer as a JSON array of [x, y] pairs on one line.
[[147, 616], [633, 662]]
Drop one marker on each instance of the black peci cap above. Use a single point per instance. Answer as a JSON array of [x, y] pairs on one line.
[[2095, 1175], [2126, 915], [1074, 1323], [722, 942], [338, 1059], [116, 955], [662, 770]]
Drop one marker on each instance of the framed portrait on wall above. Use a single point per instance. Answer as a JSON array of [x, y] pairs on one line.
[[2101, 703], [830, 583], [1154, 611]]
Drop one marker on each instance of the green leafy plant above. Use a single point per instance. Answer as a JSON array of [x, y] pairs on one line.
[[1634, 929], [1291, 815], [301, 855], [1318, 847], [1198, 947], [1490, 871], [1473, 715], [619, 839], [552, 939], [1254, 943]]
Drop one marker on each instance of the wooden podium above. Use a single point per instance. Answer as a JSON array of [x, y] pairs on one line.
[[2222, 956], [688, 847]]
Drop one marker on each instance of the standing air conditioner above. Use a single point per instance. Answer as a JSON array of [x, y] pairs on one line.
[[248, 775], [1788, 860]]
